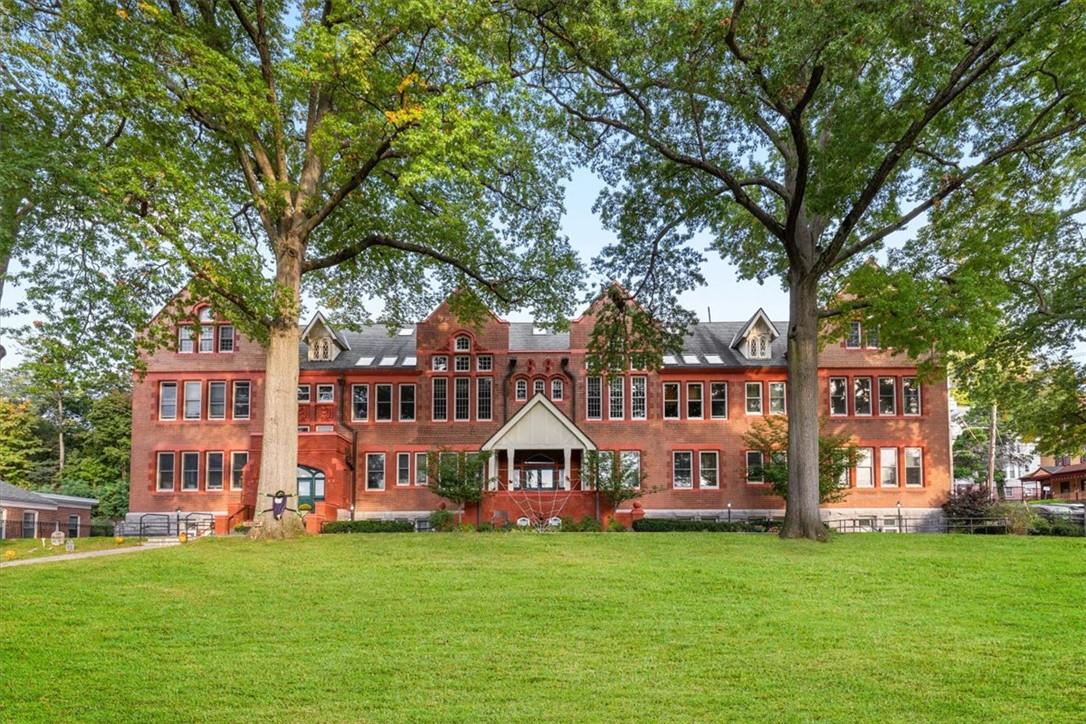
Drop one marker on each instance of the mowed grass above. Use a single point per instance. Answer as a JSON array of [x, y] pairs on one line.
[[33, 548], [468, 627]]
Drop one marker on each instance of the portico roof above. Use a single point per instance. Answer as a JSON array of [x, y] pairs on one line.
[[539, 424]]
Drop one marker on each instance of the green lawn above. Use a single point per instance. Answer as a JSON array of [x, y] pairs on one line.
[[32, 547], [468, 627]]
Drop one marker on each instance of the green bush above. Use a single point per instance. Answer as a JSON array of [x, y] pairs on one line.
[[242, 528], [442, 520], [1020, 519], [668, 525], [486, 527], [587, 524], [305, 508], [368, 526], [465, 528], [615, 526], [1055, 526]]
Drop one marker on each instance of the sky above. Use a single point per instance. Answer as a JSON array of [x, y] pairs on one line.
[[726, 297]]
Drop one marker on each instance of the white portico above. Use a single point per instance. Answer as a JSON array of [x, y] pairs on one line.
[[539, 448]]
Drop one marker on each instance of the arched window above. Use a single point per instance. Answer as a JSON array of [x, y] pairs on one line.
[[758, 347], [310, 485], [206, 315], [322, 349], [540, 386], [522, 389], [557, 389], [463, 343]]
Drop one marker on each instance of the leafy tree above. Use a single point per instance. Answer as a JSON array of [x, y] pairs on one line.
[[836, 456], [973, 446], [802, 138], [377, 151], [458, 477], [615, 478], [19, 446]]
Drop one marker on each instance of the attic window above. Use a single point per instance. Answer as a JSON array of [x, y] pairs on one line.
[[463, 343], [205, 314], [322, 349], [758, 346]]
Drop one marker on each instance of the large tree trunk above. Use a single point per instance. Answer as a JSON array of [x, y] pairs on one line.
[[992, 432], [279, 451], [802, 518]]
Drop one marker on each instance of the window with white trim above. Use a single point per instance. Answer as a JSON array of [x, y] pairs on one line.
[[375, 471], [864, 478], [167, 400], [164, 471], [861, 395], [682, 469], [914, 467], [403, 468], [639, 403], [326, 393], [887, 395], [207, 338], [360, 403], [754, 398], [755, 466], [184, 339], [631, 468], [558, 389], [778, 398], [214, 473], [190, 471], [303, 393], [382, 395], [708, 469], [226, 338], [216, 400], [838, 396], [484, 398], [238, 460], [888, 467], [462, 363], [484, 363], [422, 469], [616, 396], [758, 346], [242, 399], [855, 335], [463, 343], [522, 390], [872, 338], [407, 403], [672, 408], [192, 400], [463, 398], [910, 395], [593, 398], [439, 363], [73, 526], [718, 400], [539, 386]]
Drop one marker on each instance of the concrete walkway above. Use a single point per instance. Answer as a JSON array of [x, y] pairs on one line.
[[75, 556]]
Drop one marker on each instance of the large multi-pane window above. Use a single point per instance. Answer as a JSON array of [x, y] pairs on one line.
[[910, 395], [484, 398], [207, 337], [407, 402], [184, 338], [242, 403], [777, 398], [695, 405], [192, 400], [167, 401], [755, 466], [190, 471], [439, 363], [864, 477], [165, 471], [216, 400], [708, 469], [754, 398], [631, 468], [463, 398], [382, 401], [593, 398], [861, 395], [238, 461], [887, 395], [888, 467], [855, 336], [226, 338], [838, 396], [214, 471], [718, 400], [375, 471], [671, 401], [616, 394], [403, 468], [484, 363], [360, 402], [440, 400], [914, 467], [463, 343], [639, 398], [462, 363], [682, 469]]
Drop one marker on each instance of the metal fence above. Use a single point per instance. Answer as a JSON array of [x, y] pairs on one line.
[[11, 529]]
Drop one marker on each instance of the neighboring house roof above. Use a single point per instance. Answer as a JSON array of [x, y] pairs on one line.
[[69, 501], [13, 494], [1046, 472]]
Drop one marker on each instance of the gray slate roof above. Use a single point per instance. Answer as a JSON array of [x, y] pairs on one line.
[[372, 343], [522, 338], [708, 341], [13, 494]]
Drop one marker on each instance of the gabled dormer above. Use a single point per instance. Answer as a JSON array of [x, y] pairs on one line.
[[324, 342], [755, 339]]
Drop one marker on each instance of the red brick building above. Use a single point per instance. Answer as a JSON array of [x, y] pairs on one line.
[[37, 514], [373, 408]]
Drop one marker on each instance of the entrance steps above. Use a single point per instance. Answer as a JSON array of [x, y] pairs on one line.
[[161, 541]]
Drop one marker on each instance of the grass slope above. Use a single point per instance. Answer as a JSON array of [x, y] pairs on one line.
[[687, 627], [32, 547]]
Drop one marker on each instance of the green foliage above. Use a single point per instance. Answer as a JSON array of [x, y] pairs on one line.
[[368, 526], [836, 455], [459, 477], [442, 520], [587, 524], [19, 446], [966, 503], [615, 526], [971, 447], [486, 527], [615, 478], [668, 525], [1057, 526]]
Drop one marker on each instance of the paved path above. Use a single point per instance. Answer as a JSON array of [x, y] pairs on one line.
[[87, 554]]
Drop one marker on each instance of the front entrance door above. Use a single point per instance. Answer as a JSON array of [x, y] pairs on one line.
[[310, 486]]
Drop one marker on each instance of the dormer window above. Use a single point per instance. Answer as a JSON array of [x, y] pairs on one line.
[[463, 343], [758, 346], [322, 350]]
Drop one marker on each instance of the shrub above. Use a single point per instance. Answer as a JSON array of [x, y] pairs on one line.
[[1056, 525], [1020, 519], [464, 528], [486, 527], [974, 502], [615, 526], [442, 520], [305, 508], [368, 526], [667, 525], [589, 524], [242, 528]]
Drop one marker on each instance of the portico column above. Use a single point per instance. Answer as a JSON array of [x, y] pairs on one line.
[[510, 474], [567, 477], [492, 471]]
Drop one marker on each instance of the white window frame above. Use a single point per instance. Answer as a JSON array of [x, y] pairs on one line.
[[400, 401], [783, 398], [919, 398], [330, 389], [760, 466], [920, 458], [222, 470], [433, 399], [488, 360], [354, 415], [558, 389], [481, 382], [883, 467], [196, 455], [868, 454], [462, 363], [211, 385], [715, 468], [857, 328], [856, 384], [400, 457], [161, 397], [456, 399], [611, 387], [422, 469], [635, 471], [384, 471], [308, 394], [674, 470], [234, 400], [439, 363], [182, 338], [747, 398], [377, 404], [639, 399], [233, 339], [724, 386], [521, 389], [678, 400], [539, 386], [845, 393], [465, 347], [207, 334], [893, 410], [197, 385], [234, 455], [588, 397], [158, 471], [700, 387]]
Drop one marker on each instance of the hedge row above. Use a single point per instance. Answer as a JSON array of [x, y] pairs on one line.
[[368, 526], [667, 525]]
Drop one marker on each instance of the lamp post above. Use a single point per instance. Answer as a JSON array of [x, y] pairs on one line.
[[729, 512], [899, 516]]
